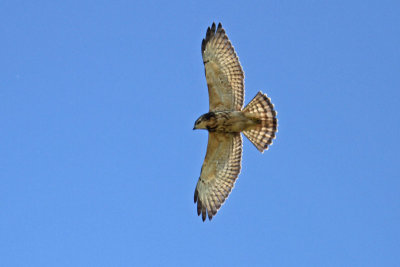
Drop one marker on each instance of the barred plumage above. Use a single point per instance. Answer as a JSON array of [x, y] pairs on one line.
[[263, 134], [226, 120], [219, 172], [225, 77]]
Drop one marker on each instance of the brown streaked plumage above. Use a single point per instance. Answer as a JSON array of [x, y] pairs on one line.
[[226, 120], [224, 74]]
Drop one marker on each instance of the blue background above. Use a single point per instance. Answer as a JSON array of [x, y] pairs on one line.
[[98, 160]]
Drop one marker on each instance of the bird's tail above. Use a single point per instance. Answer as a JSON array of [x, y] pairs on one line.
[[262, 110]]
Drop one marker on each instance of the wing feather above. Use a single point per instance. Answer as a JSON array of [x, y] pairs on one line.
[[220, 170], [224, 74]]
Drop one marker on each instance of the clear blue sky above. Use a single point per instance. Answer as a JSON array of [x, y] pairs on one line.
[[98, 160]]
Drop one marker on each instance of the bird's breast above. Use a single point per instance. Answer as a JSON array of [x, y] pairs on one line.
[[231, 122]]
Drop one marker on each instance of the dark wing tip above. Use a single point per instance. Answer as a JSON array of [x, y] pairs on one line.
[[196, 193], [203, 214], [198, 208], [201, 209], [210, 34], [213, 27], [203, 45]]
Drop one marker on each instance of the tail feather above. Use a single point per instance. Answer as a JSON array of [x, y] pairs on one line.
[[261, 109]]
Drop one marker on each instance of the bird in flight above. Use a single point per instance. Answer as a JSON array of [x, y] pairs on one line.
[[225, 121]]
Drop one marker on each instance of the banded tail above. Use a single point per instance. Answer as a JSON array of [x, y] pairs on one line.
[[261, 109]]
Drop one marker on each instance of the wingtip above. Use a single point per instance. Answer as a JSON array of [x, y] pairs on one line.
[[210, 33], [213, 27], [203, 45], [195, 195], [198, 207]]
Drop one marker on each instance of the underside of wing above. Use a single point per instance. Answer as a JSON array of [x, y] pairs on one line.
[[219, 172], [224, 74]]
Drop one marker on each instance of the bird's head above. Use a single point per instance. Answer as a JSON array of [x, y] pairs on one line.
[[203, 121]]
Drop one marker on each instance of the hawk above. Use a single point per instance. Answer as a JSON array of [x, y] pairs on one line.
[[226, 120]]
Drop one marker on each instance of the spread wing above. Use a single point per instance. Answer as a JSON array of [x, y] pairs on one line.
[[224, 74], [219, 172]]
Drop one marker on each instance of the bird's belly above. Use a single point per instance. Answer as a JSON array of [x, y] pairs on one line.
[[233, 122]]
